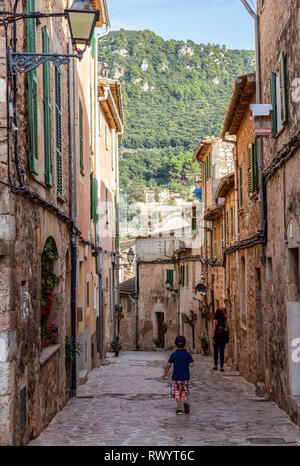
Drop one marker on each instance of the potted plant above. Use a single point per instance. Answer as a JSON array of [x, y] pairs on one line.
[[119, 311], [116, 346], [204, 343]]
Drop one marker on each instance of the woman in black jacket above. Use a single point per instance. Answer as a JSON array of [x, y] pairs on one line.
[[220, 332]]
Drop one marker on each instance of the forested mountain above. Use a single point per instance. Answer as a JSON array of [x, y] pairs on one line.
[[174, 94]]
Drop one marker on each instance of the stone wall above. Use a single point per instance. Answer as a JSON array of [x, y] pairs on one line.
[[25, 225], [128, 324], [279, 31]]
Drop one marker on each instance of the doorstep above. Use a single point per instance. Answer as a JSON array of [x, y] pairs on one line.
[[83, 376], [295, 408]]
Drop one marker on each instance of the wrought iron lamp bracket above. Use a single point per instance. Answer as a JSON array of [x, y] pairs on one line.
[[23, 62]]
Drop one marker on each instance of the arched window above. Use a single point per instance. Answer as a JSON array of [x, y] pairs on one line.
[[49, 299]]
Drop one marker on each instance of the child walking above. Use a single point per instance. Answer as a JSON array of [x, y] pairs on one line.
[[182, 360]]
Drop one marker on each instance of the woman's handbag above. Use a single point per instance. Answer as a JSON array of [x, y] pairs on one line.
[[226, 336]]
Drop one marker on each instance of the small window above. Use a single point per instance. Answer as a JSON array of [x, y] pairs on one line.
[[88, 294], [241, 187], [182, 277], [279, 95], [187, 275], [215, 241], [262, 5], [269, 270], [227, 226], [170, 277]]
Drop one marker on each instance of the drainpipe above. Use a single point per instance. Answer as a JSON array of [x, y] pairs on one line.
[[73, 214], [136, 304], [262, 193]]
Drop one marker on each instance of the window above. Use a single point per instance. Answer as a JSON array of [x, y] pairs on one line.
[[227, 226], [47, 112], [215, 241], [81, 135], [279, 95], [194, 220], [33, 92], [187, 275], [262, 5], [208, 166], [58, 126], [87, 294], [182, 275], [170, 277], [231, 221], [94, 197], [252, 168], [241, 187], [269, 270], [243, 292]]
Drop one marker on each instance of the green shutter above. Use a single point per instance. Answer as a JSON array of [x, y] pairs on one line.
[[250, 168], [255, 181], [273, 87], [81, 135], [194, 224], [32, 93], [58, 133], [95, 199], [283, 88], [170, 277], [241, 186], [93, 45], [47, 112]]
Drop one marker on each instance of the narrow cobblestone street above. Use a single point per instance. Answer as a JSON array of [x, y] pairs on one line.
[[128, 403]]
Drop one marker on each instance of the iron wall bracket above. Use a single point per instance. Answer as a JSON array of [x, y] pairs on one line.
[[23, 62]]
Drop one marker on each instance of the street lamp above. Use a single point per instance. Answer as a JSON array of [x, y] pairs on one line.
[[130, 256], [82, 18]]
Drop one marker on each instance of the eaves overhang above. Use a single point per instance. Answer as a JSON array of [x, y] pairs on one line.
[[244, 88]]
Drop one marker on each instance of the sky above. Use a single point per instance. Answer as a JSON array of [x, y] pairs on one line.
[[203, 21]]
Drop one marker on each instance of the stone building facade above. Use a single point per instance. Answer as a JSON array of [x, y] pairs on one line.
[[242, 235], [280, 71], [37, 227], [34, 209]]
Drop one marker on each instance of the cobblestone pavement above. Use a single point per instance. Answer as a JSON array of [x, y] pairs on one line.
[[130, 404]]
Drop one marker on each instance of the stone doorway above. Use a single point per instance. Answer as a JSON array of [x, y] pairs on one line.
[[160, 342]]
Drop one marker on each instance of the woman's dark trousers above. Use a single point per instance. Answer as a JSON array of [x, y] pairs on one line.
[[217, 346]]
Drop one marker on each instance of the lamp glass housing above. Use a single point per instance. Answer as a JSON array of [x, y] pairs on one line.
[[82, 18], [130, 256]]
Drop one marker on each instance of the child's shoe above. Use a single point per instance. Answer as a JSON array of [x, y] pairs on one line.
[[186, 408], [215, 368], [221, 370], [179, 411]]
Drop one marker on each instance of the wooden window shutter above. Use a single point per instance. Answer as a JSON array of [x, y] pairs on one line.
[[241, 186], [58, 133], [81, 135], [273, 87], [95, 187], [170, 277], [250, 168], [255, 181], [47, 112], [32, 93], [283, 88]]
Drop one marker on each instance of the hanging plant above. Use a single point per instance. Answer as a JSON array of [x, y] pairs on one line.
[[119, 311], [49, 280]]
